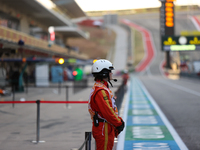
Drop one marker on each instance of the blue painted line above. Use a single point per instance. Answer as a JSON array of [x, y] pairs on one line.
[[147, 128]]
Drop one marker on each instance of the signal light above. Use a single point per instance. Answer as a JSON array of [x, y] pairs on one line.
[[94, 61], [169, 4], [171, 0], [168, 9], [169, 24], [75, 73], [61, 61], [23, 59], [169, 14], [169, 19]]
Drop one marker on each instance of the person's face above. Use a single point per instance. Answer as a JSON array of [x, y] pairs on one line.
[[110, 75]]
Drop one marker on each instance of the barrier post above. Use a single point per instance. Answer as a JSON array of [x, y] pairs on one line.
[[59, 87], [38, 124], [13, 90], [38, 121], [27, 87], [67, 95], [88, 142]]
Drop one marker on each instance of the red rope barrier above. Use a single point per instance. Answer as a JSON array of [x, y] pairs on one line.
[[15, 102], [53, 102], [66, 102]]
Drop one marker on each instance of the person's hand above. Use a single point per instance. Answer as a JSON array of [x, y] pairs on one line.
[[120, 128], [116, 133]]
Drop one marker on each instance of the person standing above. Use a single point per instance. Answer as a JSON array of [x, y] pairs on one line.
[[125, 77], [101, 105]]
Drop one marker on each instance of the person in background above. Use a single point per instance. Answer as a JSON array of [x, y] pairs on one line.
[[15, 78], [125, 77], [101, 106]]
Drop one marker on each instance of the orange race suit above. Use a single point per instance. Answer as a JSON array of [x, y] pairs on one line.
[[102, 102]]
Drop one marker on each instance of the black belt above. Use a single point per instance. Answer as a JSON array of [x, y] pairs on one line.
[[101, 120]]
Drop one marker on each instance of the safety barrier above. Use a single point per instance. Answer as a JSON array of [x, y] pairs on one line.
[[87, 142], [88, 138], [59, 87]]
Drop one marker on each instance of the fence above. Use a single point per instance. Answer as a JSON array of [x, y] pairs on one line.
[[78, 86], [87, 142]]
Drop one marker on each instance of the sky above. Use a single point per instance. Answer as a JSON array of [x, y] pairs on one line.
[[102, 5], [98, 5]]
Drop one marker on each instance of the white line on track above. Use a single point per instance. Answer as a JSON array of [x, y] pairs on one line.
[[180, 88]]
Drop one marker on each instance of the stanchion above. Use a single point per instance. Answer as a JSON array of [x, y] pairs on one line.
[[67, 95], [88, 141], [59, 87], [13, 90], [38, 124], [27, 87], [87, 134]]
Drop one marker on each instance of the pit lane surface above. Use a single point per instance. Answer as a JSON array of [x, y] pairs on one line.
[[146, 125], [178, 99]]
